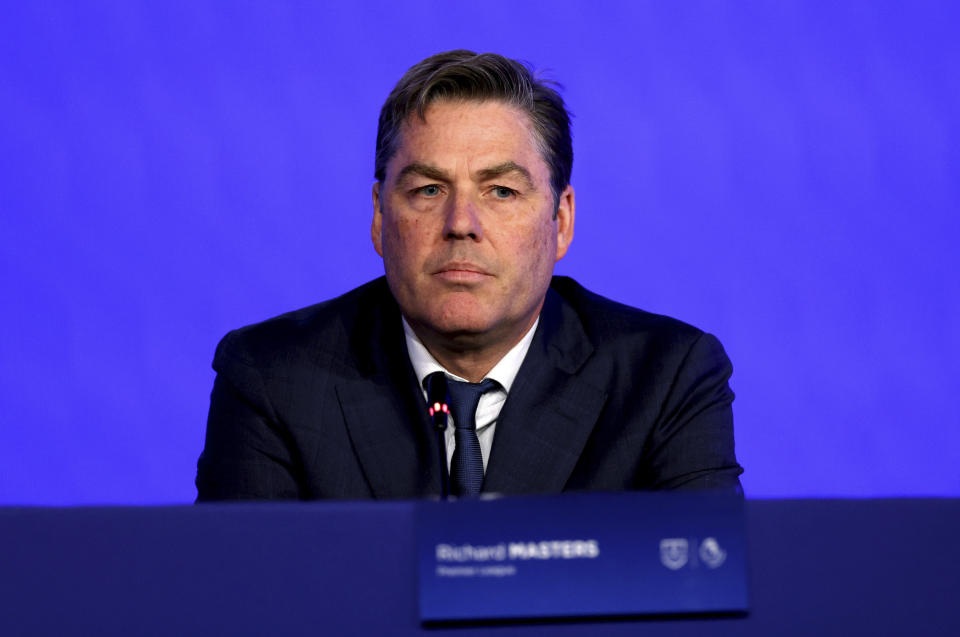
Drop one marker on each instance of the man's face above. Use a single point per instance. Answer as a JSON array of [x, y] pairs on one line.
[[464, 221]]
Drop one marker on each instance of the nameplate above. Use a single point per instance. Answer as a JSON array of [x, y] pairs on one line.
[[581, 555]]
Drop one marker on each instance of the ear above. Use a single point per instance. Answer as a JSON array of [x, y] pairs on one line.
[[565, 216], [376, 227]]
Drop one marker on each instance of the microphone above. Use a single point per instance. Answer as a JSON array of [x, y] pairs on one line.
[[438, 409]]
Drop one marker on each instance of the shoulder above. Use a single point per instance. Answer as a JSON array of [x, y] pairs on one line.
[[630, 338], [317, 332], [604, 320]]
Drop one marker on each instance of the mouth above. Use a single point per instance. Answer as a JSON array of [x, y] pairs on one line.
[[462, 272]]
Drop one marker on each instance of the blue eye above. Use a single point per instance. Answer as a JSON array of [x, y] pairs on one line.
[[502, 192], [430, 191]]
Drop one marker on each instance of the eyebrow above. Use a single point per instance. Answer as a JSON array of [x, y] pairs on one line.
[[485, 174], [505, 168], [424, 170]]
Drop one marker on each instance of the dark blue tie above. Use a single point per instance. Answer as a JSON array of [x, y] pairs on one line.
[[466, 468]]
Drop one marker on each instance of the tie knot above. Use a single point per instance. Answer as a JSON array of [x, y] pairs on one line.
[[464, 398]]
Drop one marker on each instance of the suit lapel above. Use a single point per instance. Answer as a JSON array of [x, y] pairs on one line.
[[550, 411], [384, 409]]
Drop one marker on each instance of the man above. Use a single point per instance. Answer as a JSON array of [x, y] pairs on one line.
[[551, 388]]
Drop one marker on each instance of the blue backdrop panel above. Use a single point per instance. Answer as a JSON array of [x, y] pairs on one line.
[[781, 174]]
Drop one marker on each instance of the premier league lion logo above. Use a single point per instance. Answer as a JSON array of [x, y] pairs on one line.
[[711, 554]]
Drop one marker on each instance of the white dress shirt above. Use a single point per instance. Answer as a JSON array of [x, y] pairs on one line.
[[504, 372]]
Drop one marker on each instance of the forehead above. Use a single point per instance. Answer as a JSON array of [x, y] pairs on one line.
[[454, 133]]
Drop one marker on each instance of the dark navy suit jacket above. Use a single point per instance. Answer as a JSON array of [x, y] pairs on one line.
[[323, 403]]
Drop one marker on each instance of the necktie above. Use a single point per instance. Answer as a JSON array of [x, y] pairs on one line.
[[466, 468]]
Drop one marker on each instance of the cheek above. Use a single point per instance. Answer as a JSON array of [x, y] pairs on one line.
[[401, 241], [539, 247]]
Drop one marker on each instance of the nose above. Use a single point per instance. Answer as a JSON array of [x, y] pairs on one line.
[[462, 220]]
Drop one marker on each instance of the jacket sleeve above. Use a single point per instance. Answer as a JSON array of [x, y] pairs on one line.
[[692, 445], [247, 453]]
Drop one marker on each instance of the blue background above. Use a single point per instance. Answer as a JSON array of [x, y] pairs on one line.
[[782, 174]]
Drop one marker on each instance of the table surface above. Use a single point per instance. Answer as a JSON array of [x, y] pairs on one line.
[[824, 567]]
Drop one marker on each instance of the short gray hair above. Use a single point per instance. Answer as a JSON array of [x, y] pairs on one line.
[[465, 75]]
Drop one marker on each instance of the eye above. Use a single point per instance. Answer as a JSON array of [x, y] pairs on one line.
[[502, 192], [431, 190]]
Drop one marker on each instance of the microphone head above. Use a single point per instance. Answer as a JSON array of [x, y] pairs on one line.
[[437, 403]]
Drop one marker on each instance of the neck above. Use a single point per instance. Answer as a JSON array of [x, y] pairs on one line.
[[468, 356]]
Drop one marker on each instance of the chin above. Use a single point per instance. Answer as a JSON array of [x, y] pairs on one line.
[[459, 321], [461, 326]]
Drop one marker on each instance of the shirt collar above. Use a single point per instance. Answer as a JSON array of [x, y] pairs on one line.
[[504, 372]]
